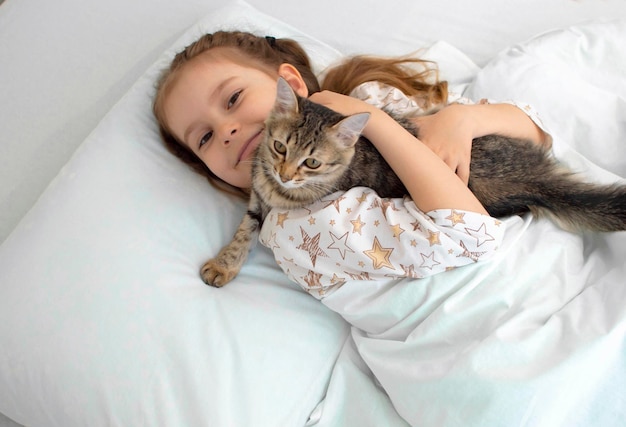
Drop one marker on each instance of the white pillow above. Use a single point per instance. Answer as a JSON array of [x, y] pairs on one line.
[[103, 317], [575, 78]]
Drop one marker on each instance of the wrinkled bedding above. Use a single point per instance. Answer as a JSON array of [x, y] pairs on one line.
[[536, 336], [105, 321]]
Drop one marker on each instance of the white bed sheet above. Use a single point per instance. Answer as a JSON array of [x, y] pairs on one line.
[[71, 109]]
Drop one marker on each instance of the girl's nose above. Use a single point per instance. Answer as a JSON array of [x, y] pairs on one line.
[[229, 135]]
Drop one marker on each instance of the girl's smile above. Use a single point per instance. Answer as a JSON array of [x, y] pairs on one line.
[[217, 107], [249, 147]]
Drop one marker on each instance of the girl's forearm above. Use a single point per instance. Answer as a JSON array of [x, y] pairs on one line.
[[502, 119], [429, 181], [450, 131]]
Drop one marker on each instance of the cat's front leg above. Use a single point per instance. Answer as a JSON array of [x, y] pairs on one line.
[[226, 265]]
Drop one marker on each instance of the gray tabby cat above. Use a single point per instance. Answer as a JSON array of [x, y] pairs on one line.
[[310, 151]]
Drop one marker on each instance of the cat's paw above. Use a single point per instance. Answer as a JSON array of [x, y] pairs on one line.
[[216, 273]]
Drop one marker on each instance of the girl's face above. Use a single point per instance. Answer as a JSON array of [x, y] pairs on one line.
[[217, 107]]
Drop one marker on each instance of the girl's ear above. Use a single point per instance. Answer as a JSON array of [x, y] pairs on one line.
[[293, 77]]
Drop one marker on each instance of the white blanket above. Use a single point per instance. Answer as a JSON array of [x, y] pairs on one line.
[[536, 336]]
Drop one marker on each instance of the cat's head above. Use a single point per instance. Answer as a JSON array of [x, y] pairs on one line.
[[307, 146]]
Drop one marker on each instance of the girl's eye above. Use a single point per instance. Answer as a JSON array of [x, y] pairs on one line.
[[205, 138], [280, 147], [312, 163], [233, 99]]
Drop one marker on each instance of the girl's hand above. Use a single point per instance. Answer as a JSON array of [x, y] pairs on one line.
[[449, 135], [343, 104], [450, 131]]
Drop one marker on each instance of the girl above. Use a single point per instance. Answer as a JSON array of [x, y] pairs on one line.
[[211, 105]]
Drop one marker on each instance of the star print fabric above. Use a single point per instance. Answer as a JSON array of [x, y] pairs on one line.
[[358, 235]]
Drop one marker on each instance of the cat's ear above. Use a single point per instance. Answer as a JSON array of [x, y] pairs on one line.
[[349, 129], [286, 100]]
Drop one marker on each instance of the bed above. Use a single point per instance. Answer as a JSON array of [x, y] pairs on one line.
[[104, 320]]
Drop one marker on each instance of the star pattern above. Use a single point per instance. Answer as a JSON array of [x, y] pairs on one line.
[[271, 242], [359, 276], [409, 270], [311, 245], [416, 225], [281, 217], [480, 234], [312, 279], [429, 261], [340, 244], [469, 254], [383, 204], [433, 238], [379, 255], [336, 202], [354, 237], [397, 231], [357, 224], [336, 280], [456, 217]]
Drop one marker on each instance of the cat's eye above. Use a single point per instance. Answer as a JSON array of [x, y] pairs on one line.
[[233, 99], [205, 138], [312, 163], [280, 147]]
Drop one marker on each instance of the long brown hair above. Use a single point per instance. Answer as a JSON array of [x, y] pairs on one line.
[[415, 77], [270, 53]]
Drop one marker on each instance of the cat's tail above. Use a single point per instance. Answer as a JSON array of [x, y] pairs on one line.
[[575, 205], [587, 207], [513, 176]]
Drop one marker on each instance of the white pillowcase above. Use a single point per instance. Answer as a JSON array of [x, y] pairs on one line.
[[575, 78], [104, 319]]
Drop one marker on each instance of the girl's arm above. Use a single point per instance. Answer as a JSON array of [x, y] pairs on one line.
[[429, 181], [450, 131], [349, 245]]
